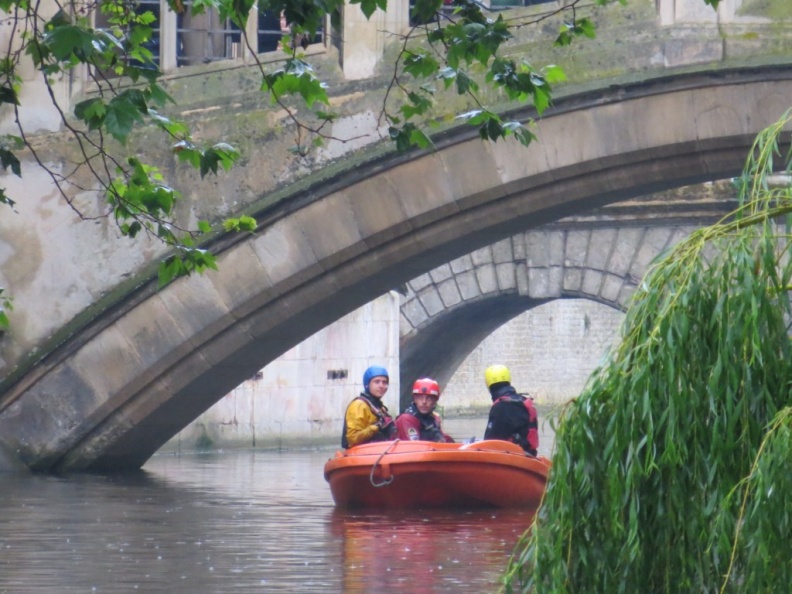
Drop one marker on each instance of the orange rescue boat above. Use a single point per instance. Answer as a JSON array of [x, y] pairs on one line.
[[401, 474]]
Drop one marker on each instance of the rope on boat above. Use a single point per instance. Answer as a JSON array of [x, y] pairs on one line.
[[373, 468]]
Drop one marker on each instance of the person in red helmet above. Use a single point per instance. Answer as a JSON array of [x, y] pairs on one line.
[[419, 421]]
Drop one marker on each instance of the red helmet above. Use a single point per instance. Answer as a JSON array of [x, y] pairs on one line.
[[426, 386]]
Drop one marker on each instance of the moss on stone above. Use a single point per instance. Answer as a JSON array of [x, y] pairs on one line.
[[204, 443], [771, 9]]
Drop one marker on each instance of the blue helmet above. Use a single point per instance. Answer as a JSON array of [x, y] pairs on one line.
[[372, 372]]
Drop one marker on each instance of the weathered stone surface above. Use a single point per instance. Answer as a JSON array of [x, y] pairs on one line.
[[573, 280], [462, 264], [521, 273], [431, 301], [468, 284], [487, 279], [449, 293], [592, 282], [577, 248], [441, 273], [502, 251], [600, 248], [507, 280], [611, 287], [305, 273], [420, 282], [654, 241], [415, 313], [627, 243], [545, 283], [544, 248]]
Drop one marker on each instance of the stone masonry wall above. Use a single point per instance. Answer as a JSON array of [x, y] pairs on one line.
[[299, 400], [550, 350]]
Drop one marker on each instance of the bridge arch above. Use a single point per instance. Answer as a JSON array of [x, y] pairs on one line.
[[448, 311], [108, 398]]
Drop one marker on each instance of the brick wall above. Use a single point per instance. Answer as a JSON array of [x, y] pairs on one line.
[[550, 351]]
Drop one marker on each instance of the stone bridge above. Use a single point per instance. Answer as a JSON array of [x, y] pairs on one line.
[[601, 256], [107, 388]]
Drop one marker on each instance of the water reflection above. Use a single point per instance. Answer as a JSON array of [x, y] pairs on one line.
[[236, 522], [426, 552]]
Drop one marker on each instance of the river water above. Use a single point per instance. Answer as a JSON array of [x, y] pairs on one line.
[[239, 521]]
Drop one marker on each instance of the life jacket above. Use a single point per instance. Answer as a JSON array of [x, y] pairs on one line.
[[382, 414], [430, 427], [529, 442]]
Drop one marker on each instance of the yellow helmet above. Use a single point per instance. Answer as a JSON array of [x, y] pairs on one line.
[[496, 374]]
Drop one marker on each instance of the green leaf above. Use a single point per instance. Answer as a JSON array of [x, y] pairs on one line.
[[8, 95], [465, 84], [579, 27], [491, 128], [586, 27], [474, 117], [10, 160], [220, 154], [174, 128], [243, 223], [370, 6], [418, 104], [423, 11], [409, 136], [67, 42], [124, 111], [420, 65], [169, 270], [6, 305], [520, 132], [156, 94], [541, 98], [296, 78], [419, 139], [326, 116], [554, 74], [5, 199]]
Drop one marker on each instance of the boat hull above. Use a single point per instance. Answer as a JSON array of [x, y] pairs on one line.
[[410, 474]]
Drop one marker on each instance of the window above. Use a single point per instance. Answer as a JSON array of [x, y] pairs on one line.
[[185, 39], [204, 37]]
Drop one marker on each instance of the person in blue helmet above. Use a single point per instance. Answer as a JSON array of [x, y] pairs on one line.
[[367, 418]]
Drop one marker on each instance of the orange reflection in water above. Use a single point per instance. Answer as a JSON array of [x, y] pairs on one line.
[[427, 552]]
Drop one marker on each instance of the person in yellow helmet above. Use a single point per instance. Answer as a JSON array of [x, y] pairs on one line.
[[367, 418], [512, 416]]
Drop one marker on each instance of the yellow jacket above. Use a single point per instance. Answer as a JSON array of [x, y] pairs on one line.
[[360, 423]]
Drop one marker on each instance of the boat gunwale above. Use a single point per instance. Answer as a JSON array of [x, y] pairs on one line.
[[433, 455]]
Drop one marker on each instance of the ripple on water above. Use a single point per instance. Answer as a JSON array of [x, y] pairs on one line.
[[237, 522]]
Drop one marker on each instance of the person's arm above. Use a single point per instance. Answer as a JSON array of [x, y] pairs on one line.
[[409, 427], [361, 423], [498, 426], [533, 427]]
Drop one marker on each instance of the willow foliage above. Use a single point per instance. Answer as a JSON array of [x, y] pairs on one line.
[[672, 469]]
